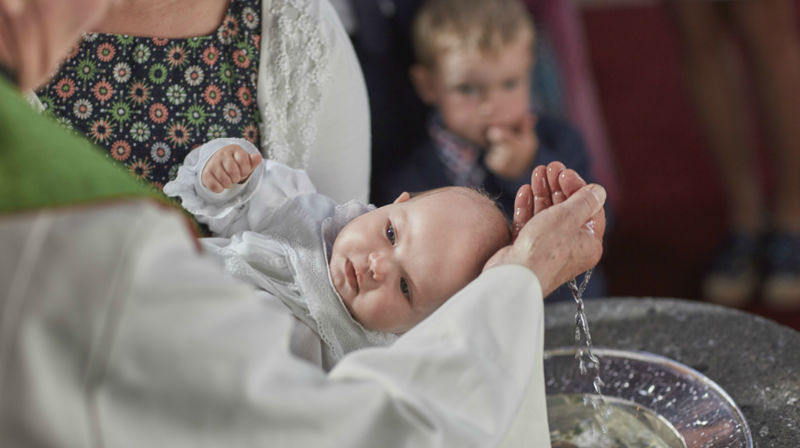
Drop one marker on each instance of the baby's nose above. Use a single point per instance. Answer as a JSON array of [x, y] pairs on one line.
[[377, 266]]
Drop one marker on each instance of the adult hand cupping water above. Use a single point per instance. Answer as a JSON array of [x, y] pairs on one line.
[[565, 238]]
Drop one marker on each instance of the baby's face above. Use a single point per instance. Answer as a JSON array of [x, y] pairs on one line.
[[474, 91], [395, 265]]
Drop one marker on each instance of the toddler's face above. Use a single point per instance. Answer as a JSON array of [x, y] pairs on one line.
[[395, 265], [474, 91]]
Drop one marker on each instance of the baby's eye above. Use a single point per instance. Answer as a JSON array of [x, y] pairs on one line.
[[404, 288], [390, 233], [511, 84]]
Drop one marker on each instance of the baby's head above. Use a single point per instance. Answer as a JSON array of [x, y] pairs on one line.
[[397, 264], [474, 62]]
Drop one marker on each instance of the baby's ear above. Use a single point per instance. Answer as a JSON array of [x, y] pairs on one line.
[[423, 79], [404, 196]]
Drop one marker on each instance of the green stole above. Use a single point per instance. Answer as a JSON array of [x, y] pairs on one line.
[[44, 166]]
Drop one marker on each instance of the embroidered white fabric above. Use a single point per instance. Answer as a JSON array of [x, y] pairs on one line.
[[297, 60]]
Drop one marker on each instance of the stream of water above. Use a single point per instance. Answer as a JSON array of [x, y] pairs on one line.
[[588, 362]]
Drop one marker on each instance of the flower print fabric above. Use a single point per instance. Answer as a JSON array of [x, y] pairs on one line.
[[149, 101]]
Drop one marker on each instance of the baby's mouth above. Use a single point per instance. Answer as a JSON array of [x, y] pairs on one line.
[[350, 275]]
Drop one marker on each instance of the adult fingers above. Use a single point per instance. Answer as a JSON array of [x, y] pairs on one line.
[[542, 197], [582, 206], [539, 181], [523, 210], [554, 170], [570, 182]]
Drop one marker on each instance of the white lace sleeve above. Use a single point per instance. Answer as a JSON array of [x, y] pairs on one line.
[[312, 97], [243, 206]]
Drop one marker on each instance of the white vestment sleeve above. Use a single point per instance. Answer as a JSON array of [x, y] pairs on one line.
[[145, 343], [460, 377], [215, 369]]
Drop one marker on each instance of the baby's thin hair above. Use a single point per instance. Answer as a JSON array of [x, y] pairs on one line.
[[494, 199], [471, 25]]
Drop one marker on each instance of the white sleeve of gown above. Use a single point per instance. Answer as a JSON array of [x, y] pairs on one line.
[[243, 206], [150, 344]]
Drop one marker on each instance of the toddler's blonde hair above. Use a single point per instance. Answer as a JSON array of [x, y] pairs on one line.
[[485, 26]]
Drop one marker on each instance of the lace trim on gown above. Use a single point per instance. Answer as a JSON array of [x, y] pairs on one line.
[[297, 61]]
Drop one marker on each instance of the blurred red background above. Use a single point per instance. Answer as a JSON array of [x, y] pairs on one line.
[[671, 214]]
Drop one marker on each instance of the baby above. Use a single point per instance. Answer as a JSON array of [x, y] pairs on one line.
[[356, 275]]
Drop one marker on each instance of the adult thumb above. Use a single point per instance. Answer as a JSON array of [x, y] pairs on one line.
[[584, 204]]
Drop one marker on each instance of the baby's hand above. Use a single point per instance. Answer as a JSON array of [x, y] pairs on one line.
[[511, 150], [228, 166]]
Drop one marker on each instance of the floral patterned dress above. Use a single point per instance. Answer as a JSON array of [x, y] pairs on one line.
[[149, 101]]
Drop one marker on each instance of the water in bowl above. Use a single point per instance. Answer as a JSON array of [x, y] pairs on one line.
[[624, 424]]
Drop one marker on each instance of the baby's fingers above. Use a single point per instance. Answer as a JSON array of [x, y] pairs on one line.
[[212, 183], [231, 168], [221, 177], [247, 164], [255, 159]]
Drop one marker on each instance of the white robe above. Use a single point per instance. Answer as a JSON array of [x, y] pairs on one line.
[[147, 343]]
